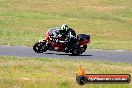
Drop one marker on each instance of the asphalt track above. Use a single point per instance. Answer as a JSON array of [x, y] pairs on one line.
[[90, 54]]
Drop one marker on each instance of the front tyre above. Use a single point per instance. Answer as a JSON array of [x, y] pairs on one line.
[[40, 47]]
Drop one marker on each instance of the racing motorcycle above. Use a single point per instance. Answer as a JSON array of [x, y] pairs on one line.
[[75, 45]]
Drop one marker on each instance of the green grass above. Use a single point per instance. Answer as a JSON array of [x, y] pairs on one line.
[[109, 22], [55, 73]]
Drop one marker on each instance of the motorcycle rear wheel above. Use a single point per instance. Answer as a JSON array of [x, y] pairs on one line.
[[75, 51], [83, 49]]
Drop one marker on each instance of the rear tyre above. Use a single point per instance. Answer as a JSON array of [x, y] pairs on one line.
[[75, 51], [83, 49]]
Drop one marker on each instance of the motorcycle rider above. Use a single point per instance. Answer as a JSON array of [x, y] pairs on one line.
[[62, 32], [65, 30]]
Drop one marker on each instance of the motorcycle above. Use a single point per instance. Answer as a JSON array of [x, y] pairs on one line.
[[75, 45]]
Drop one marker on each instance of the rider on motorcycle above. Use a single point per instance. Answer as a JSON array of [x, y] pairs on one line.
[[66, 30], [63, 32]]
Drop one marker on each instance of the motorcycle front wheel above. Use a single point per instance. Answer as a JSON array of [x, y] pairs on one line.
[[40, 47]]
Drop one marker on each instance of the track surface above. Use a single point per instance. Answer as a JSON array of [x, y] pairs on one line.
[[91, 54]]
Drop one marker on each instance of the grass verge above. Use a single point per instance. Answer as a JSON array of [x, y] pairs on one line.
[[55, 73]]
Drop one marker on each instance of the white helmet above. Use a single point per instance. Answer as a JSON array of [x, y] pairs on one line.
[[64, 27]]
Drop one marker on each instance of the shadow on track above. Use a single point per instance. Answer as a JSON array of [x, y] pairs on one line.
[[85, 55], [67, 54], [73, 55], [49, 53]]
